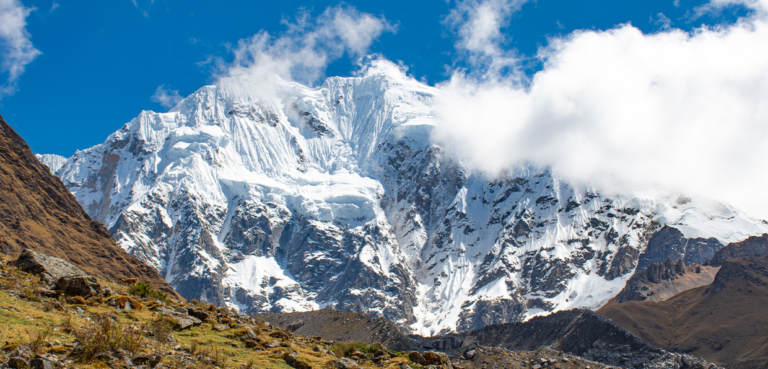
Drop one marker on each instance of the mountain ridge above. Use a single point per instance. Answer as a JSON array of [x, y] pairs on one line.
[[335, 196], [723, 322]]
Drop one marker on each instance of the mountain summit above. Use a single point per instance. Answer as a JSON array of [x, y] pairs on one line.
[[292, 198]]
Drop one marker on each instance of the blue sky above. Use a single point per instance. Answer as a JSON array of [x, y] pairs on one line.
[[101, 62]]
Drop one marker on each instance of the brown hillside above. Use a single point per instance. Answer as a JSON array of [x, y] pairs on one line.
[[725, 322], [38, 212], [666, 279]]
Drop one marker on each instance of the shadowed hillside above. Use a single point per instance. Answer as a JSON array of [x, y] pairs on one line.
[[725, 322], [38, 212]]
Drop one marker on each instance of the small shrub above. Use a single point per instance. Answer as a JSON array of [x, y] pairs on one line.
[[50, 305], [105, 335], [345, 349], [66, 325], [161, 329], [37, 339], [214, 355], [29, 293], [143, 289], [249, 365]]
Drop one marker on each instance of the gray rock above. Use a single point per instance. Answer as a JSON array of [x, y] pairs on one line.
[[78, 286], [294, 362], [147, 360], [416, 358], [186, 321], [49, 268], [40, 363], [198, 313], [437, 358], [344, 363], [18, 363]]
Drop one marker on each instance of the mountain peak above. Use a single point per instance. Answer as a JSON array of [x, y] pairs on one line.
[[283, 197]]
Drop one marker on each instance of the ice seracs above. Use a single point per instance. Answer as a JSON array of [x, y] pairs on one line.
[[293, 198], [53, 161]]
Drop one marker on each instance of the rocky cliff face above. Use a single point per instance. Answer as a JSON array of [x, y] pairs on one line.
[[670, 244], [751, 247], [37, 212], [665, 279], [335, 197]]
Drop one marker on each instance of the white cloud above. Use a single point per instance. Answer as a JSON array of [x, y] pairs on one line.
[[305, 49], [166, 97], [478, 25], [15, 45], [625, 110]]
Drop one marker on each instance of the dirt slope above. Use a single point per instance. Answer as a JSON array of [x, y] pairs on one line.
[[725, 322], [38, 212], [666, 279]]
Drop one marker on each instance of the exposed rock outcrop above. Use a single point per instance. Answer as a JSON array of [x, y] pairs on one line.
[[751, 247], [49, 268], [663, 280]]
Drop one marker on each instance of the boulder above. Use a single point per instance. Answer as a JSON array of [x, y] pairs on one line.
[[78, 286], [198, 313], [146, 360], [49, 268], [40, 363], [186, 321], [45, 292], [344, 363], [294, 362], [280, 335], [18, 363], [470, 354], [417, 358], [437, 358]]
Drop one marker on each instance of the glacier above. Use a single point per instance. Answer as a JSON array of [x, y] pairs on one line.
[[335, 196], [53, 161]]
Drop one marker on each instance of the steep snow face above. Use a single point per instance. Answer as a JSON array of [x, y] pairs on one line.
[[53, 161], [335, 197]]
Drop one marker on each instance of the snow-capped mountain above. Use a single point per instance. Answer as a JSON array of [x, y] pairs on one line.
[[335, 197], [53, 161]]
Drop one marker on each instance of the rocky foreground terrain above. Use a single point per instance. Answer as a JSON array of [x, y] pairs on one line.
[[53, 315]]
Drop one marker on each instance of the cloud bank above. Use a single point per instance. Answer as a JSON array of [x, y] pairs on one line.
[[307, 47], [618, 109], [16, 47]]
